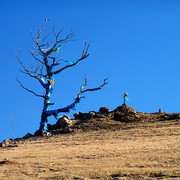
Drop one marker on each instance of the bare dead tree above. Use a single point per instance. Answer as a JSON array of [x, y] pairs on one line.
[[44, 71]]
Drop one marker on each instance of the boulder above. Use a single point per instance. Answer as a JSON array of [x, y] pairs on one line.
[[63, 122], [104, 110]]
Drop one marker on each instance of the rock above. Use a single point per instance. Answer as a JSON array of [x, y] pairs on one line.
[[6, 143], [28, 135], [126, 117], [160, 111], [79, 115], [51, 127], [92, 113], [66, 116], [38, 133], [169, 117], [104, 110], [63, 122], [46, 134], [84, 116], [3, 145], [66, 130], [118, 116], [100, 116], [76, 115], [178, 116], [125, 109]]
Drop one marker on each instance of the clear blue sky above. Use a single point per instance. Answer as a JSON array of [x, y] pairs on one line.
[[134, 43]]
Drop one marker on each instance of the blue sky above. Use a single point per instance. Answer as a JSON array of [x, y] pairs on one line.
[[134, 43]]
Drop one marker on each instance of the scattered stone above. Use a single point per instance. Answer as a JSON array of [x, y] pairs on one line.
[[6, 143], [103, 119]]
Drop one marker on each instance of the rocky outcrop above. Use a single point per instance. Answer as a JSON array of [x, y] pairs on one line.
[[103, 112], [125, 113], [28, 135], [125, 109], [103, 119]]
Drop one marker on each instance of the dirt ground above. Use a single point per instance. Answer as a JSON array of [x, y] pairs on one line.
[[135, 150]]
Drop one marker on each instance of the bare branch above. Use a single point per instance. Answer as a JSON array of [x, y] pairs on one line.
[[57, 35], [48, 49], [28, 89], [57, 59], [57, 41], [37, 68], [84, 84], [35, 57], [46, 36], [93, 89], [36, 42], [85, 54], [29, 72], [33, 76], [42, 68]]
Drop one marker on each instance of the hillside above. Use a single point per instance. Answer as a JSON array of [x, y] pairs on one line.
[[121, 144]]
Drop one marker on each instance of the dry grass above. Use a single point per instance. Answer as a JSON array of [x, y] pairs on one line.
[[140, 151]]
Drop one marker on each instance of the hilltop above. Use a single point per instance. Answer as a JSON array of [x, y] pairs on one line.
[[118, 144]]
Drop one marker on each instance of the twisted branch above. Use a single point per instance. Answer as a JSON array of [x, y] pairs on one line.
[[93, 89]]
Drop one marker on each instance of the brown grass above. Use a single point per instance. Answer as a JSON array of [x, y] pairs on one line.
[[149, 150]]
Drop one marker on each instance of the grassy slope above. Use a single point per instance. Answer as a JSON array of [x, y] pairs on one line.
[[137, 150]]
